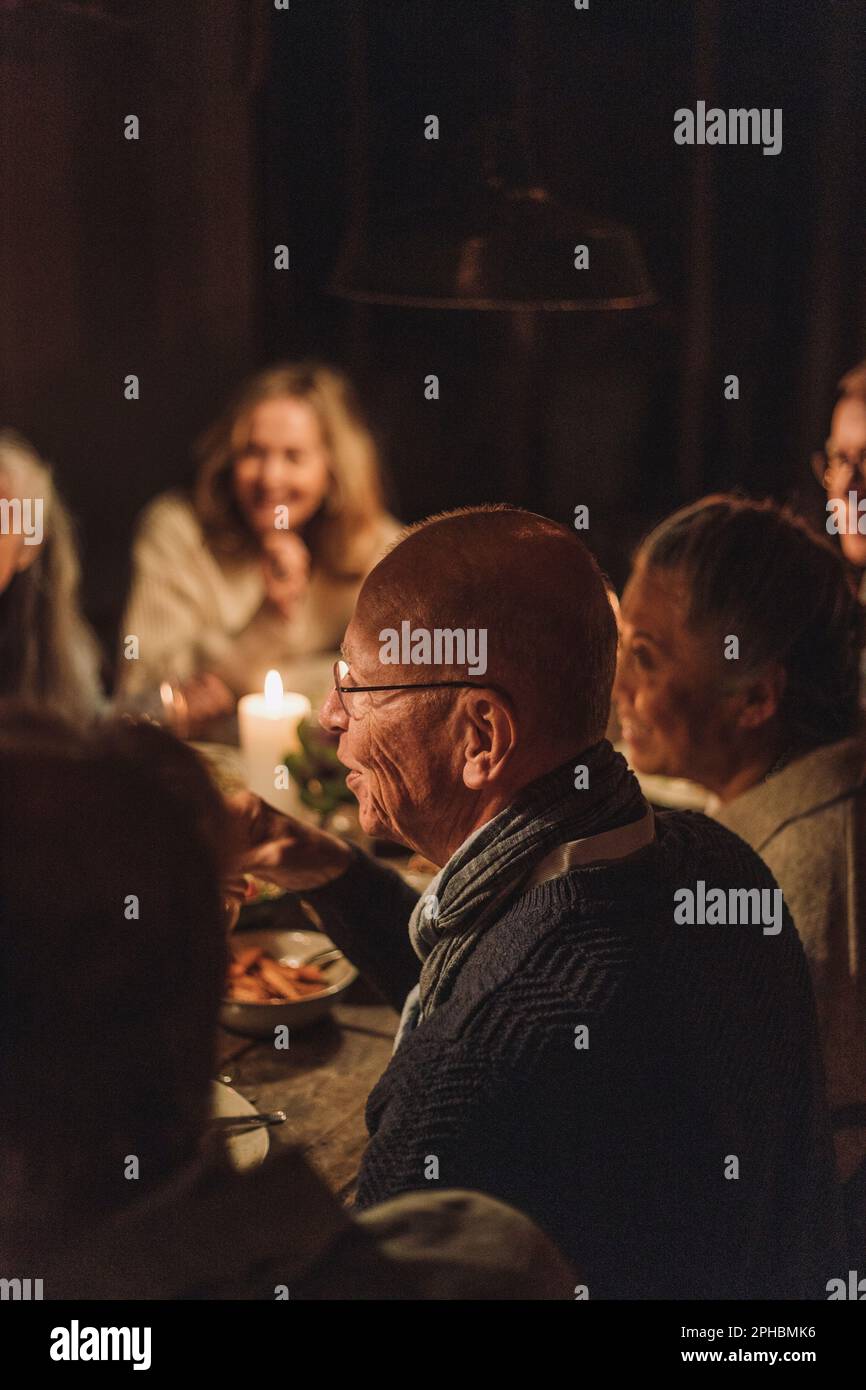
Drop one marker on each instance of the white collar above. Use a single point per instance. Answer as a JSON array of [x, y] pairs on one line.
[[595, 849]]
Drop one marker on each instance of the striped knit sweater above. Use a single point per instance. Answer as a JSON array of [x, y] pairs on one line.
[[651, 1094]]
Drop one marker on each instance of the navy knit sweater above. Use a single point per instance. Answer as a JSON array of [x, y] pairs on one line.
[[684, 1151]]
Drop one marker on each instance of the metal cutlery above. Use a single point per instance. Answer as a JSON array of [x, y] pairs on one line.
[[224, 1122]]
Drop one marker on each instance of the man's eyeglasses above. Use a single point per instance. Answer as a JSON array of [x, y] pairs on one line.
[[830, 465], [347, 694]]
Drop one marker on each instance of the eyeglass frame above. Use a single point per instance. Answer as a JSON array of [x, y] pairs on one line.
[[412, 685]]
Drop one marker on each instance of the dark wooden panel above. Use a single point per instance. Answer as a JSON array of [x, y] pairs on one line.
[[119, 256]]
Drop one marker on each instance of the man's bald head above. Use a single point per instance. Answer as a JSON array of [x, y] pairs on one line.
[[535, 588]]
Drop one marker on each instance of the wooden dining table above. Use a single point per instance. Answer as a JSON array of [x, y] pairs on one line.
[[323, 1078], [321, 1081]]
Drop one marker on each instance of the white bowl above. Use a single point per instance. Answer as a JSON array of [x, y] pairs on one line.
[[291, 947]]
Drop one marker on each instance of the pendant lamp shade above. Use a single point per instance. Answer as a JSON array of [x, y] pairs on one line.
[[522, 250]]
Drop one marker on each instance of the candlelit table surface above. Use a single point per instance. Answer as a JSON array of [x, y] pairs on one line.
[[321, 1081], [323, 1078]]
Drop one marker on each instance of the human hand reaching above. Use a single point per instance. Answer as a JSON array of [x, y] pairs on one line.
[[283, 850], [286, 570]]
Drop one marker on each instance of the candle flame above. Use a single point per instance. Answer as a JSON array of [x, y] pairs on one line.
[[273, 692]]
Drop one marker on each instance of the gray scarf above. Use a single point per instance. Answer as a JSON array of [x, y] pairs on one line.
[[489, 868]]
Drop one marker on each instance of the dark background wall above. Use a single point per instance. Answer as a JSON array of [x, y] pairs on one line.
[[261, 127], [119, 256]]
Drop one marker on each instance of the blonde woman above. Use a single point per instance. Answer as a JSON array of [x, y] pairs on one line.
[[48, 654], [261, 563]]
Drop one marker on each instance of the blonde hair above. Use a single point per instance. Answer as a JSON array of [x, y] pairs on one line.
[[47, 652], [343, 536]]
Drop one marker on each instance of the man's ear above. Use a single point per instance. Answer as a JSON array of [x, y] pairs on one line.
[[489, 737], [760, 697]]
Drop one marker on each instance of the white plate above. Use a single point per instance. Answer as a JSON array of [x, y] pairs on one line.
[[244, 1149]]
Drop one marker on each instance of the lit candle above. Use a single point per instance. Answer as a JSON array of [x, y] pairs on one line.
[[268, 727]]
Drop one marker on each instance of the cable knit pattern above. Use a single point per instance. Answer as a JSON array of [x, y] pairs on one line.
[[702, 1049]]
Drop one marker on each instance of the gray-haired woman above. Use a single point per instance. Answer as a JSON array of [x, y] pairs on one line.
[[738, 668]]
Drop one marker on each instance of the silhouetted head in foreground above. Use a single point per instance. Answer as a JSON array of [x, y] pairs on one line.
[[112, 949]]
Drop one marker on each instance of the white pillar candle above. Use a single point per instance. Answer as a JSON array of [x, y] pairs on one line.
[[268, 726]]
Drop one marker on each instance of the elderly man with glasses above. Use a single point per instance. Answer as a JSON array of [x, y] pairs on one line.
[[650, 1093], [840, 467]]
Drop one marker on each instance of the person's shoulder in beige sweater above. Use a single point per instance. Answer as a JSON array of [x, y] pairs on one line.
[[808, 823], [182, 605]]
